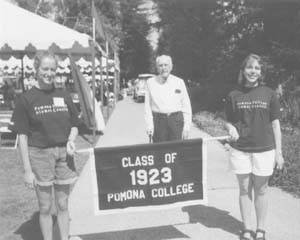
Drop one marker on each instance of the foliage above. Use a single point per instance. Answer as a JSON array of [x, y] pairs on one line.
[[289, 178], [209, 39], [136, 53], [77, 14], [212, 123], [186, 36]]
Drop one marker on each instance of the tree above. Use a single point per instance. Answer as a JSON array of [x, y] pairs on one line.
[[186, 36], [135, 50]]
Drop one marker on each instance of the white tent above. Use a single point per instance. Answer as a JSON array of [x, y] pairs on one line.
[[19, 28]]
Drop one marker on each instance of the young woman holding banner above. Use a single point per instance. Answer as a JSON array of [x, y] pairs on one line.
[[46, 121], [252, 111]]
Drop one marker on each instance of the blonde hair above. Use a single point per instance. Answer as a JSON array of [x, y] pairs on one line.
[[40, 55], [261, 62]]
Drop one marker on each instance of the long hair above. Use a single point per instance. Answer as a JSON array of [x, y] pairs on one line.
[[261, 62]]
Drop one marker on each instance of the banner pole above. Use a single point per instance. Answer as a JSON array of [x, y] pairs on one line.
[[217, 138]]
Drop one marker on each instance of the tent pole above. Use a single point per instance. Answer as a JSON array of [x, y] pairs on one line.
[[101, 86], [22, 73], [93, 80], [107, 80]]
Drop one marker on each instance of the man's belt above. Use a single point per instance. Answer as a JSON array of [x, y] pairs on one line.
[[166, 114]]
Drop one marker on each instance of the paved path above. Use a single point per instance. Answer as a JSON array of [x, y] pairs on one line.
[[220, 219]]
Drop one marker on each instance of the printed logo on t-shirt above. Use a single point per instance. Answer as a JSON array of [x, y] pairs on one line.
[[252, 105], [58, 102], [44, 109]]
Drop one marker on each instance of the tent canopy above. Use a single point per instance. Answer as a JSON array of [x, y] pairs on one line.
[[23, 32]]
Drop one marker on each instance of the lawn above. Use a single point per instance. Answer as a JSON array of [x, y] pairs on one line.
[[18, 204]]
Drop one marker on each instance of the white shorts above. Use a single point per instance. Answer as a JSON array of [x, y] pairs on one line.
[[260, 164]]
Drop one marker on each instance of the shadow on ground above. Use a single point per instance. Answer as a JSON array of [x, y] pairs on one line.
[[213, 218], [157, 233], [30, 230]]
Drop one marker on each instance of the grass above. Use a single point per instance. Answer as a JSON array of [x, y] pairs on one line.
[[18, 204]]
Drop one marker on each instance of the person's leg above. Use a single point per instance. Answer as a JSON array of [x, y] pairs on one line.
[[61, 199], [261, 200], [175, 126], [44, 195], [263, 165], [160, 123], [245, 199]]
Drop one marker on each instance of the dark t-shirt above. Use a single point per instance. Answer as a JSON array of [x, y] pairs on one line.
[[46, 117], [251, 111]]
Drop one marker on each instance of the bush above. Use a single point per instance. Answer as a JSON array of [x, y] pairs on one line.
[[287, 179], [212, 123]]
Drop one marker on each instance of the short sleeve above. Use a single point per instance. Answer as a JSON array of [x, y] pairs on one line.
[[20, 118], [274, 107]]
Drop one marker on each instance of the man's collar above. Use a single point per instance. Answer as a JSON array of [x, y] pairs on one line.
[[162, 80]]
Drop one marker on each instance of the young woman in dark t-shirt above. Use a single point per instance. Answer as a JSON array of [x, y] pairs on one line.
[[252, 111], [46, 122]]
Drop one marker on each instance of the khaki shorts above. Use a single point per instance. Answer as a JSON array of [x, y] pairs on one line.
[[260, 164], [52, 166]]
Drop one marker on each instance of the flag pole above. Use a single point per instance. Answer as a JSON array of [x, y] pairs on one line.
[[115, 79], [93, 75]]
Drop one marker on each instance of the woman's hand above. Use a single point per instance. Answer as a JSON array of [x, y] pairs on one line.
[[234, 135], [71, 148], [279, 160], [29, 179]]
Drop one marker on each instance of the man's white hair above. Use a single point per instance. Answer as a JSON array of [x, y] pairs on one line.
[[166, 58]]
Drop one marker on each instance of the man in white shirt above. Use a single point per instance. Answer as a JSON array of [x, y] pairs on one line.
[[168, 111]]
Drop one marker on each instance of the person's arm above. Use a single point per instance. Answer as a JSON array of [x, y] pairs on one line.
[[232, 131], [148, 112], [274, 117], [187, 112], [75, 122], [277, 137], [229, 116], [29, 178], [71, 148]]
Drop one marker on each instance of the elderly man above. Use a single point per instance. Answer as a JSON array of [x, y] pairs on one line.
[[167, 104]]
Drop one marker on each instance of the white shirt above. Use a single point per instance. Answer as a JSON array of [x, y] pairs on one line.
[[170, 96]]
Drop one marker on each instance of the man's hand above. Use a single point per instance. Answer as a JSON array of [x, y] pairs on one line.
[[149, 132], [29, 179], [71, 148], [185, 134]]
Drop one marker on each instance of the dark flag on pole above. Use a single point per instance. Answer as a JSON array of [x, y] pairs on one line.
[[84, 93], [99, 25], [100, 29]]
